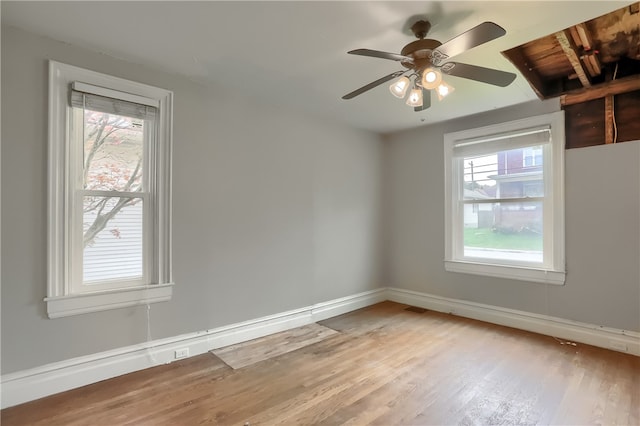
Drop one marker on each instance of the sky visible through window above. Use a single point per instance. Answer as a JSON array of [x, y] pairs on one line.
[[479, 169]]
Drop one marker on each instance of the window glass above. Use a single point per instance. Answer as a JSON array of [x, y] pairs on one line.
[[511, 229], [113, 152], [113, 241]]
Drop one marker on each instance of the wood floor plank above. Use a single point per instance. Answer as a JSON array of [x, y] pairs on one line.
[[257, 350], [383, 365]]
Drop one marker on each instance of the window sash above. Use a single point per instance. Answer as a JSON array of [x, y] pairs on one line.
[[77, 193], [459, 201], [78, 284], [503, 200], [76, 151], [459, 247]]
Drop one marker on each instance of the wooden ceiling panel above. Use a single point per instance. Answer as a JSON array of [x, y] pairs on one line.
[[582, 56], [547, 58]]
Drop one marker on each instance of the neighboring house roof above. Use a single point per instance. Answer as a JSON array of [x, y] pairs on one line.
[[475, 195]]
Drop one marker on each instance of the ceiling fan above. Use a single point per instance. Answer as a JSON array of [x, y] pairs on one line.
[[425, 60]]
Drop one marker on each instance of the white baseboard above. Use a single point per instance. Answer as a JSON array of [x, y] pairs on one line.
[[28, 385], [604, 337], [333, 308]]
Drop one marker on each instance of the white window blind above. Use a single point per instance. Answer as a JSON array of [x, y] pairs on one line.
[[502, 142], [83, 96]]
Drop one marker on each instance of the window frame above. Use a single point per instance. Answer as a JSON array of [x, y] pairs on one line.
[[552, 269], [63, 298]]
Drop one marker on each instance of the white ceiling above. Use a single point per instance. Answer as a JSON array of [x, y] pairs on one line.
[[294, 53]]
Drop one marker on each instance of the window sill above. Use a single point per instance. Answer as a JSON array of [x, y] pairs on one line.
[[76, 304], [509, 272]]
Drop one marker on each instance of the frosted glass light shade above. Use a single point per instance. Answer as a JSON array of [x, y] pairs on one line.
[[443, 90], [431, 78], [399, 87], [415, 98]]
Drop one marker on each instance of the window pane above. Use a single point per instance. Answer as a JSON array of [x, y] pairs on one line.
[[532, 156], [113, 152], [112, 239], [515, 173], [508, 231]]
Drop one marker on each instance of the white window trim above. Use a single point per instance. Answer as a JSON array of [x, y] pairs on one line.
[[61, 300], [553, 273]]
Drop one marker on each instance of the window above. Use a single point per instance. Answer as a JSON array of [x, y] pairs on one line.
[[532, 156], [109, 192], [504, 200]]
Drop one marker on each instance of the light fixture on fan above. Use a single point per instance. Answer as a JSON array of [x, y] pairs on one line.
[[400, 87], [443, 90], [415, 97], [429, 79]]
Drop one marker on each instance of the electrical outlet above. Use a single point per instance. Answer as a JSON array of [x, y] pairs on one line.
[[181, 353]]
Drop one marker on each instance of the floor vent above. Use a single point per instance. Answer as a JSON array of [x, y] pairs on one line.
[[415, 309]]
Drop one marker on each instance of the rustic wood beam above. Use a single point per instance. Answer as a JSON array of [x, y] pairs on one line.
[[585, 38], [615, 87], [608, 119], [570, 52], [589, 58], [595, 63], [591, 69], [575, 36]]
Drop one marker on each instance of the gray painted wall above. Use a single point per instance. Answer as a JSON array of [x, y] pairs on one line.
[[273, 210], [602, 228]]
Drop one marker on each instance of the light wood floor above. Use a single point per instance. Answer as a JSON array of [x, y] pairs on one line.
[[386, 366]]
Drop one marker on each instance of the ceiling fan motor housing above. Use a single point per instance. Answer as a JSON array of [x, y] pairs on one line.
[[420, 51]]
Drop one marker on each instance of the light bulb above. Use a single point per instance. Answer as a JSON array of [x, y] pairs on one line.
[[443, 90], [431, 78], [415, 98], [399, 87]]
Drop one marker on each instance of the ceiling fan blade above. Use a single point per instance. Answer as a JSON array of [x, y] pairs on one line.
[[481, 74], [373, 84], [380, 54], [476, 36], [426, 101]]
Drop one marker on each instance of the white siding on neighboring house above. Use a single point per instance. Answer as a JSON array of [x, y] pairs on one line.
[[117, 251], [471, 219]]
